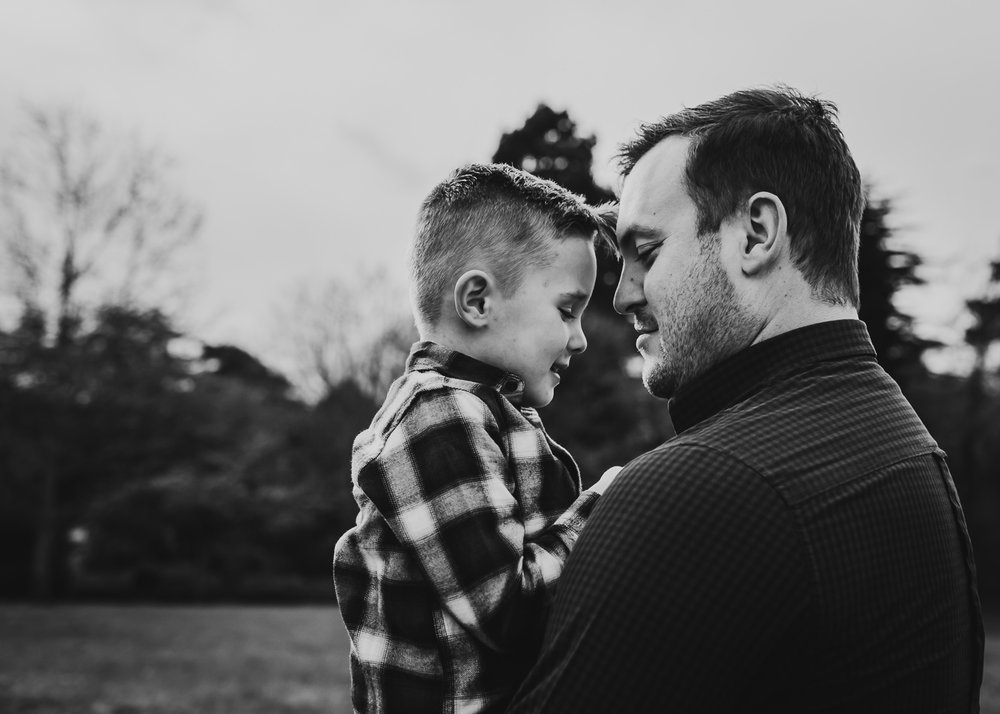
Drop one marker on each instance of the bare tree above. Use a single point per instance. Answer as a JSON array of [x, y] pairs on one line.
[[87, 219], [351, 329]]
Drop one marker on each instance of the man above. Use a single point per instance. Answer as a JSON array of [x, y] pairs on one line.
[[799, 545]]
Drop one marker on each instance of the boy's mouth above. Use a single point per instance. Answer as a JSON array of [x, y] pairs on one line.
[[558, 367]]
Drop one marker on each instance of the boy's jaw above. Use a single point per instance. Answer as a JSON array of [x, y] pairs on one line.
[[557, 369], [536, 398]]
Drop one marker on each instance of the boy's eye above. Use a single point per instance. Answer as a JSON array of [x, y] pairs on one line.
[[567, 314]]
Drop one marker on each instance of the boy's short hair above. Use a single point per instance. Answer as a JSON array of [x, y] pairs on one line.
[[492, 216], [779, 140]]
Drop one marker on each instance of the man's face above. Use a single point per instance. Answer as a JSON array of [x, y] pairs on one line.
[[537, 327], [673, 282]]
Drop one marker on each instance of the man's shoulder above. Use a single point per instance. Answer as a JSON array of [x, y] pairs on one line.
[[690, 458], [818, 428], [685, 480]]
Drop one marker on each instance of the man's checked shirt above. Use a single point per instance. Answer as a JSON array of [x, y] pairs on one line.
[[467, 512], [799, 546]]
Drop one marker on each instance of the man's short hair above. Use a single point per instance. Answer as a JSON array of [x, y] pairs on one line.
[[494, 217], [777, 140]]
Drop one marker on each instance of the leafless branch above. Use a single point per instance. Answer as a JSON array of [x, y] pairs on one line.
[[86, 217]]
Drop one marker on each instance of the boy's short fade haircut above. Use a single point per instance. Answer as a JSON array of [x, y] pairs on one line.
[[778, 140], [495, 217]]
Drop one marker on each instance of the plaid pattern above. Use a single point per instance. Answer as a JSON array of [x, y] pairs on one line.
[[467, 512], [798, 547]]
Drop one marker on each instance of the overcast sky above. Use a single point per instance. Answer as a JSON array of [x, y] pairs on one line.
[[309, 130]]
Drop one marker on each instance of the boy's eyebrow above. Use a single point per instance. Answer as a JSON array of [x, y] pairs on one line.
[[575, 295]]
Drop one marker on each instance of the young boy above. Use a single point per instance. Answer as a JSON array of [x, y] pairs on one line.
[[468, 508]]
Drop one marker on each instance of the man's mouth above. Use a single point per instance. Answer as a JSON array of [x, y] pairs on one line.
[[645, 330], [644, 324]]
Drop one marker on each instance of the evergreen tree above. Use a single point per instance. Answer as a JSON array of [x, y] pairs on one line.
[[981, 412], [882, 271]]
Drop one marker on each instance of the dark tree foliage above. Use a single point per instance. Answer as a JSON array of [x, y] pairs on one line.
[[185, 477], [600, 413], [882, 271], [548, 146], [254, 513], [231, 361], [986, 312], [79, 417], [982, 411], [981, 447]]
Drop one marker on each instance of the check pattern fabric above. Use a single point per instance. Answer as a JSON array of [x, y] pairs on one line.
[[467, 512], [799, 546]]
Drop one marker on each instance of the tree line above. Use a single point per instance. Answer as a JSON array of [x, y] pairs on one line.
[[139, 462]]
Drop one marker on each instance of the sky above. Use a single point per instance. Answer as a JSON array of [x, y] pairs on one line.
[[309, 130]]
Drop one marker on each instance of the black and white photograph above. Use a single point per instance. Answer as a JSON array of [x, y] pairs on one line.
[[528, 357]]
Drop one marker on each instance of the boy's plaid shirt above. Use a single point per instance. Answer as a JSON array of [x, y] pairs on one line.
[[467, 513]]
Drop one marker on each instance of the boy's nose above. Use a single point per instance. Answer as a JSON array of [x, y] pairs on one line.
[[577, 340]]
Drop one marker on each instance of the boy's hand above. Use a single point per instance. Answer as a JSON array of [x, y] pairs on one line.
[[606, 478]]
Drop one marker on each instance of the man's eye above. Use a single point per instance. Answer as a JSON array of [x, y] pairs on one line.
[[647, 253]]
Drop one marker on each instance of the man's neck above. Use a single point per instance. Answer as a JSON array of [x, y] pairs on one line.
[[810, 312]]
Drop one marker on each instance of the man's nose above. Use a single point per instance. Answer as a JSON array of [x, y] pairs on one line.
[[629, 293]]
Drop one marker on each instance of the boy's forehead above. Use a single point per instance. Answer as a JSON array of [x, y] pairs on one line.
[[570, 265]]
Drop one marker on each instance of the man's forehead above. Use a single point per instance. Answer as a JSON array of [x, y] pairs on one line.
[[662, 165], [654, 185]]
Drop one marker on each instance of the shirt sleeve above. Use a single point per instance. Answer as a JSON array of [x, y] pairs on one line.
[[441, 482], [689, 573]]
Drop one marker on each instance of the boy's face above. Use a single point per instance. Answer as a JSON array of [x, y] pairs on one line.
[[537, 329]]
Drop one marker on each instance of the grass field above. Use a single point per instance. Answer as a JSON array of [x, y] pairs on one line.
[[200, 660], [197, 660]]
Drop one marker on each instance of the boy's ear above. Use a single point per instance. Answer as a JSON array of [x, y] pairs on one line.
[[766, 232], [473, 295]]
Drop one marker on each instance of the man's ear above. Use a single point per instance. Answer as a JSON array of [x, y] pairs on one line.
[[766, 232], [473, 297]]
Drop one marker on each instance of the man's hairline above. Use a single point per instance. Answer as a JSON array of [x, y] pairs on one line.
[[685, 178]]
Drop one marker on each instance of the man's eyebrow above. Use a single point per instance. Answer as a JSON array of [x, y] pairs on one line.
[[634, 233]]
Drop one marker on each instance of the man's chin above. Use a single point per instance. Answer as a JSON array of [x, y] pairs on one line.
[[657, 381]]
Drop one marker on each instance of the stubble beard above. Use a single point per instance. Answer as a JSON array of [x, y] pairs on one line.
[[715, 329]]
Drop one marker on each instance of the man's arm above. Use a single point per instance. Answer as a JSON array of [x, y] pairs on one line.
[[688, 576], [441, 484]]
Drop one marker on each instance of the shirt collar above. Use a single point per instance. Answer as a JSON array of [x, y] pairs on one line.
[[432, 356], [736, 377]]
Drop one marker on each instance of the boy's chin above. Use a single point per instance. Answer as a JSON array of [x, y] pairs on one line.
[[537, 401]]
